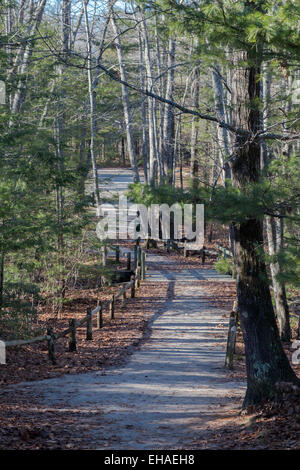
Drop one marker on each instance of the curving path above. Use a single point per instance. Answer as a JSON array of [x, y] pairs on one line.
[[173, 387]]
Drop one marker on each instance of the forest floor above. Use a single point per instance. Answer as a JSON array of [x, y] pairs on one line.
[[72, 411], [110, 346], [153, 377], [170, 383]]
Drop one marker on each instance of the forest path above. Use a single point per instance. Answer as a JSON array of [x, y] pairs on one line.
[[114, 181], [173, 388]]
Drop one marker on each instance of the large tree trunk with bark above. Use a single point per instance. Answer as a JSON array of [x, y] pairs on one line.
[[266, 361]]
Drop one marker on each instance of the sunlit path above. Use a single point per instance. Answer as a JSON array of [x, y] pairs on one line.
[[174, 385]]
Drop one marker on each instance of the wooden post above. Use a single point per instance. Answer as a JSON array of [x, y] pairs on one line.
[[132, 292], [233, 275], [203, 255], [231, 341], [100, 317], [51, 346], [124, 298], [135, 257], [168, 246], [112, 308], [139, 256], [128, 261], [235, 311], [117, 254], [89, 324], [72, 335], [103, 262], [137, 277], [143, 265]]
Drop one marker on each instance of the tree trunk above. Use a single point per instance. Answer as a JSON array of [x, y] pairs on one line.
[[159, 106], [274, 227], [266, 361], [169, 124], [223, 145], [177, 141], [145, 140], [274, 230], [195, 123], [92, 99], [151, 108], [22, 59], [123, 151], [125, 99]]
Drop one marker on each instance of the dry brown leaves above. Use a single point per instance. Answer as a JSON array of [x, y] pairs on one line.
[[109, 346], [26, 425], [32, 426]]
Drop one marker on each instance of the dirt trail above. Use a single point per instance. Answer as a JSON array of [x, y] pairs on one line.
[[172, 389], [174, 386]]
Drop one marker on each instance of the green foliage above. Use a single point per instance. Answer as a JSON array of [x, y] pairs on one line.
[[164, 194], [224, 265], [19, 313], [239, 25], [289, 259]]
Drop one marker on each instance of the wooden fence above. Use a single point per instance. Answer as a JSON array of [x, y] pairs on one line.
[[51, 337]]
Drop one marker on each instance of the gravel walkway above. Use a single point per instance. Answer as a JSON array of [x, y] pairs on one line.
[[173, 387]]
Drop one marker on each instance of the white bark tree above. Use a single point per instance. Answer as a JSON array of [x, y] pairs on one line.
[[92, 101], [125, 100]]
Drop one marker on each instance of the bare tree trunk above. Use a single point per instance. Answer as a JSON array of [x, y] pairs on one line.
[[222, 142], [92, 99], [125, 99], [274, 231], [266, 361], [145, 144], [22, 59], [59, 128], [169, 124], [194, 133], [151, 107], [177, 143], [159, 106]]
